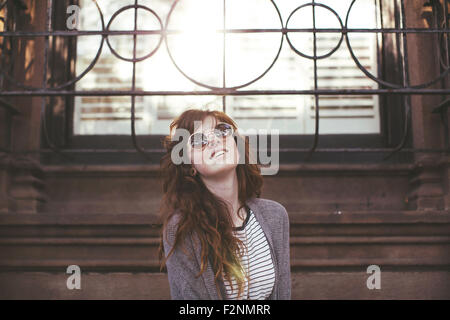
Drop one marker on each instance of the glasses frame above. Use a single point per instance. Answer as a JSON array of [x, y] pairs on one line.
[[206, 134]]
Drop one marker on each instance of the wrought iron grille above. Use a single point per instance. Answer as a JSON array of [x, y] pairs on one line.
[[405, 89]]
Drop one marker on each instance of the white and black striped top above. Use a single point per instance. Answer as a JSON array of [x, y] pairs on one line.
[[257, 262]]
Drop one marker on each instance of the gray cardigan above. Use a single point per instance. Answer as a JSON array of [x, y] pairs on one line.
[[182, 269]]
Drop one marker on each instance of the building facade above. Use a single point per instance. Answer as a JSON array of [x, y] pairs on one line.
[[358, 92]]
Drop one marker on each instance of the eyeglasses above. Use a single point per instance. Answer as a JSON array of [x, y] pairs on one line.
[[200, 139]]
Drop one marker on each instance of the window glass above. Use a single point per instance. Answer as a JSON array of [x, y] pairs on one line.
[[197, 50]]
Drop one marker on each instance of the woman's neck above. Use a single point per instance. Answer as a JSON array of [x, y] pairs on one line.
[[227, 188]]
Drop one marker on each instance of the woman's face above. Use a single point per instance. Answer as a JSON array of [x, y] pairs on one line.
[[210, 160]]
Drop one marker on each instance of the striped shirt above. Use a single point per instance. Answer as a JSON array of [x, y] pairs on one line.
[[257, 262]]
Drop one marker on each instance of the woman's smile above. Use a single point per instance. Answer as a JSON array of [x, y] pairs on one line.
[[219, 153]]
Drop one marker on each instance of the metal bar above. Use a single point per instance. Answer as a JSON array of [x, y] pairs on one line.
[[224, 100], [444, 111], [385, 129], [316, 96], [325, 150], [381, 53], [163, 32], [397, 46], [133, 87], [406, 81], [447, 56], [219, 92], [48, 26]]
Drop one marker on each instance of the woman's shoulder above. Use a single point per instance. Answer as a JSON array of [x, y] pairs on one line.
[[172, 224], [269, 207]]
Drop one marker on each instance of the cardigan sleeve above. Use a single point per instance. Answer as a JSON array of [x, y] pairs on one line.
[[285, 263], [182, 268]]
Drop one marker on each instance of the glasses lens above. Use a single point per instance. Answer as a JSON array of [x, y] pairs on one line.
[[198, 140], [223, 130]]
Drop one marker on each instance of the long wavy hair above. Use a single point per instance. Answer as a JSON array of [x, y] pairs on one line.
[[202, 212]]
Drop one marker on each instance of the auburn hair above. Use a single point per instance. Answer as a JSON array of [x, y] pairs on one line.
[[201, 211]]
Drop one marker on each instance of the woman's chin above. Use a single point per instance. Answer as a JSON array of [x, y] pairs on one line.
[[216, 169]]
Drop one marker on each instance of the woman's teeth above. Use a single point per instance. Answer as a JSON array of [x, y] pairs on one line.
[[219, 154]]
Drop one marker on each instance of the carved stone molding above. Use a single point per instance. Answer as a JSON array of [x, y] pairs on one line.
[[4, 184], [446, 182], [26, 185], [427, 184]]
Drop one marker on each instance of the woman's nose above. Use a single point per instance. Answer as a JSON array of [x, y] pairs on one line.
[[213, 139]]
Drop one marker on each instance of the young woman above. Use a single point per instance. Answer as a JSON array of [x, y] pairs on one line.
[[219, 239]]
